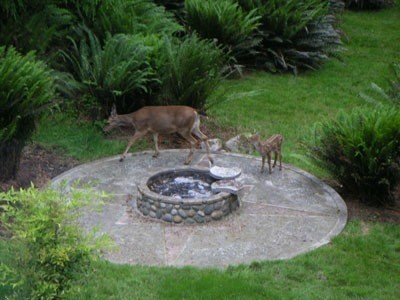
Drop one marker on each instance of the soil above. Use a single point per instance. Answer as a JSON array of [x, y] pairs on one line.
[[39, 165]]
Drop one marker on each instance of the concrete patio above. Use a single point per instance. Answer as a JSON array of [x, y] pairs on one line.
[[280, 216]]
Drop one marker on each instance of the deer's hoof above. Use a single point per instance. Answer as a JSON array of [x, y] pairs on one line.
[[121, 159]]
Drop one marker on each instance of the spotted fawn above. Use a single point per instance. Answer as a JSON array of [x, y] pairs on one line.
[[272, 144]]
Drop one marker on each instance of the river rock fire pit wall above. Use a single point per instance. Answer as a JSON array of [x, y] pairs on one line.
[[184, 209]]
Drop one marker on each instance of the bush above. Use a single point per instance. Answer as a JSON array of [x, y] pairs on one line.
[[39, 25], [123, 16], [296, 35], [368, 4], [189, 70], [27, 87], [113, 73], [362, 150], [50, 247], [225, 22]]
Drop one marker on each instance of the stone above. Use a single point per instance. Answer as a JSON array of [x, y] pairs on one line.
[[177, 219], [228, 186], [167, 218], [182, 213], [209, 209], [191, 212], [216, 215], [239, 144], [224, 173]]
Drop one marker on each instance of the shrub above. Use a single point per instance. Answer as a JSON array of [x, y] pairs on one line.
[[225, 22], [113, 73], [123, 16], [50, 247], [368, 4], [362, 150], [189, 71], [26, 88], [296, 35]]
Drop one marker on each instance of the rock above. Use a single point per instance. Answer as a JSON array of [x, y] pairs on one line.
[[228, 186], [225, 173], [239, 144], [216, 215]]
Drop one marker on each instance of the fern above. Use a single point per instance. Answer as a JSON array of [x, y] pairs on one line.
[[26, 89]]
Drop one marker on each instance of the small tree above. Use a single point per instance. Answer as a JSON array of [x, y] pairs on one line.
[[49, 247], [27, 88]]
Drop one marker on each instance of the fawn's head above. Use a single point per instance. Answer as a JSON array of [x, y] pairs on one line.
[[254, 139]]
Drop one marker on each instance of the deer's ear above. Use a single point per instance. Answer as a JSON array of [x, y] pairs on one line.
[[113, 111]]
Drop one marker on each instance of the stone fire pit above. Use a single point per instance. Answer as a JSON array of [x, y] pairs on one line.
[[184, 196]]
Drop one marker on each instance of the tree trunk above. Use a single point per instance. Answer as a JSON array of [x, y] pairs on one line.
[[10, 155]]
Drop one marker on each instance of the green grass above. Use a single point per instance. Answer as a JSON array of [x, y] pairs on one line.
[[79, 139], [362, 263], [290, 105]]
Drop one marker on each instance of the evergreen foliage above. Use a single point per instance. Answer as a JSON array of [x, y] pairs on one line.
[[27, 88]]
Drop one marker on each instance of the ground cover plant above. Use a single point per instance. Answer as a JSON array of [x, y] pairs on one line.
[[363, 262]]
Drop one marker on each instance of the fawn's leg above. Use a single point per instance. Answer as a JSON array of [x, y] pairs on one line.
[[269, 163], [280, 160], [262, 163], [275, 158]]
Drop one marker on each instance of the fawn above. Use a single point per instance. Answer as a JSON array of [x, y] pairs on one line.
[[272, 144], [161, 119]]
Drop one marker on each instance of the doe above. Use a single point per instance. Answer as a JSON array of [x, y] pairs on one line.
[[183, 120]]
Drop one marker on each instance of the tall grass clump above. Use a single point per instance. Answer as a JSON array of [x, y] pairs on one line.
[[49, 247], [362, 150], [27, 87], [227, 23], [189, 70], [113, 73]]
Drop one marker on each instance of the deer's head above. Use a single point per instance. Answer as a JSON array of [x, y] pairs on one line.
[[113, 120]]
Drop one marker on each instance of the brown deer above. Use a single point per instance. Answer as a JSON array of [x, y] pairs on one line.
[[161, 119], [272, 144]]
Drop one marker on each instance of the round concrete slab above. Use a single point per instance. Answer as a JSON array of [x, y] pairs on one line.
[[281, 215]]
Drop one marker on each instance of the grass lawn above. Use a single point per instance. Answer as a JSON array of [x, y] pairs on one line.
[[361, 263]]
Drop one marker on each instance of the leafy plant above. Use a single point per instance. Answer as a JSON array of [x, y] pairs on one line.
[[51, 248], [225, 22], [113, 73], [368, 4], [296, 35], [362, 150], [27, 88], [34, 25], [189, 70]]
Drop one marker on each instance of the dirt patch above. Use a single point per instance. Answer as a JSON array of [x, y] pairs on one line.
[[40, 164]]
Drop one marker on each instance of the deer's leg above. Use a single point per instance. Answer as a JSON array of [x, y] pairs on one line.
[[137, 135], [280, 160], [269, 163], [155, 139], [188, 136], [196, 131]]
